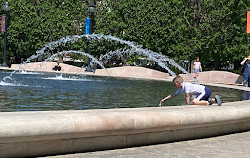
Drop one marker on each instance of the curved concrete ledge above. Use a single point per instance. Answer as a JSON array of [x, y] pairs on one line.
[[223, 77], [45, 67], [28, 134], [124, 71]]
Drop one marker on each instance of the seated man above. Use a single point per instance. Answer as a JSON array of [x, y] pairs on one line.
[[57, 67]]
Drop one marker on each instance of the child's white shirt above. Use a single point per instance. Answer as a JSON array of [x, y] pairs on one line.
[[190, 88], [197, 65]]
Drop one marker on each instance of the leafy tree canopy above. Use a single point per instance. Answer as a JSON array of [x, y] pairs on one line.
[[213, 30]]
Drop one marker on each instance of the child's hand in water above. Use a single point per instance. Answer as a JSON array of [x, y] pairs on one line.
[[160, 103]]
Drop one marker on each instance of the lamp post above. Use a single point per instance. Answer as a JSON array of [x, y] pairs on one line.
[[6, 10], [91, 11]]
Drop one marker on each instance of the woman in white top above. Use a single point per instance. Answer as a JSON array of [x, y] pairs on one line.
[[197, 67]]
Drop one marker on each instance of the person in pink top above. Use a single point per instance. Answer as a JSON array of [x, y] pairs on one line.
[[197, 67]]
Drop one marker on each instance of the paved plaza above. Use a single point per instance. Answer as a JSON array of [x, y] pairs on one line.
[[227, 146]]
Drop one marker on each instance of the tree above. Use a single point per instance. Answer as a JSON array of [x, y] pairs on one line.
[[35, 23], [180, 29], [212, 30]]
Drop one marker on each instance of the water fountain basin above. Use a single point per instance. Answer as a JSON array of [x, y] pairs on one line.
[[40, 133]]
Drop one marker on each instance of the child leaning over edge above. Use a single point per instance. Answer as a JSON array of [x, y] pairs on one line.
[[202, 93]]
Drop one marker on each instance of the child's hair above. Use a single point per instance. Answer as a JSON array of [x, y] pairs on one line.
[[178, 79]]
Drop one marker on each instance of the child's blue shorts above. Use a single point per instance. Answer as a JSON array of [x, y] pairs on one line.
[[196, 70], [206, 95]]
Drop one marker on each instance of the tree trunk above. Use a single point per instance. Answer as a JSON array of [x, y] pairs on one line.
[[217, 63]]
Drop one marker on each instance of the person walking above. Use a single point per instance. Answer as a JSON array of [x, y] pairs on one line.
[[246, 71]]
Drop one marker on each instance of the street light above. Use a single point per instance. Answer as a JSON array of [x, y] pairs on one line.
[[6, 10], [91, 11]]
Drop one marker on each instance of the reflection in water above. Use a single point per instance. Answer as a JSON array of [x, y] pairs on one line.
[[246, 95], [66, 92]]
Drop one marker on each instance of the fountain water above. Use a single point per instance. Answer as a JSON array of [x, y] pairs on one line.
[[50, 92], [132, 51], [161, 59], [94, 60]]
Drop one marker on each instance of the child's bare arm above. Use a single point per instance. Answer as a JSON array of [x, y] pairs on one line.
[[243, 62], [187, 98], [168, 97]]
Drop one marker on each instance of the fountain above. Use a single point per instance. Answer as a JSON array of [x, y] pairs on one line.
[[94, 60], [65, 130], [157, 57], [134, 49]]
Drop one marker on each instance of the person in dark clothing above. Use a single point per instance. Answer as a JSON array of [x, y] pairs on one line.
[[57, 67], [246, 71]]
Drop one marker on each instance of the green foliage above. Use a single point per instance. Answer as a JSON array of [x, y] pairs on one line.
[[213, 30], [35, 23], [180, 29]]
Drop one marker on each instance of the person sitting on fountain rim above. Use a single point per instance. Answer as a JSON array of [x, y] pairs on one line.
[[57, 67], [202, 93]]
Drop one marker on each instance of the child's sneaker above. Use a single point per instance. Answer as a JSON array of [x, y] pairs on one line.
[[210, 102], [218, 100]]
